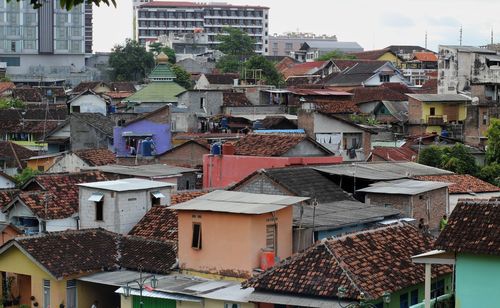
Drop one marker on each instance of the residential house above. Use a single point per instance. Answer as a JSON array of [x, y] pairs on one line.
[[188, 154], [58, 139], [38, 278], [316, 94], [339, 271], [444, 114], [357, 175], [343, 137], [6, 88], [416, 199], [81, 159], [403, 153], [27, 94], [8, 232], [115, 98], [464, 186], [330, 212], [12, 157], [118, 205], [365, 73], [312, 50], [183, 178], [194, 110], [97, 87], [53, 94], [314, 71], [264, 222], [422, 66], [90, 131], [6, 181], [43, 162], [384, 54], [199, 65], [470, 243], [277, 122], [216, 81], [161, 90], [48, 202], [88, 102]]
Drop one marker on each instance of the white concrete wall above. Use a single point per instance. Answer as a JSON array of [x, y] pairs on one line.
[[74, 63], [454, 197], [68, 163], [375, 80], [89, 103], [6, 183], [65, 131], [121, 210], [61, 224]]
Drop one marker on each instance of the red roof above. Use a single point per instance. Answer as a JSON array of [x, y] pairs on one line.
[[118, 95], [337, 107], [4, 86], [462, 183], [394, 153], [370, 54], [96, 157], [370, 94], [425, 56], [306, 68], [159, 223], [319, 92], [197, 4], [186, 196], [267, 144]]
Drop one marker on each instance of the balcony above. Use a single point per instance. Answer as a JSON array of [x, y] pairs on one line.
[[443, 301], [435, 120]]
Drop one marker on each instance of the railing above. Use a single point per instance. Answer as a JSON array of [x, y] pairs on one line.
[[443, 301], [435, 120]]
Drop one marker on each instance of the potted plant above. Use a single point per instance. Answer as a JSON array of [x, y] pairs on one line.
[[61, 305]]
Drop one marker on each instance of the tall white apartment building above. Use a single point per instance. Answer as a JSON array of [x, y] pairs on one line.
[[164, 18], [49, 42]]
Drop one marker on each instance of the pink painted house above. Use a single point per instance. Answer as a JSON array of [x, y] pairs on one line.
[[229, 233]]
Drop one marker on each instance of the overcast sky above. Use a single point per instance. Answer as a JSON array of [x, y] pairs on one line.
[[373, 24]]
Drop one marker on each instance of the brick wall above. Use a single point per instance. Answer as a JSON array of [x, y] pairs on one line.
[[188, 155], [414, 110], [260, 184], [305, 120], [367, 143], [416, 206]]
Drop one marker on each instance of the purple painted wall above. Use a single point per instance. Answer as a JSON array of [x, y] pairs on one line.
[[162, 136]]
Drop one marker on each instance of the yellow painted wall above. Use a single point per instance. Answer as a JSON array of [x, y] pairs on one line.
[[45, 162], [433, 129], [89, 292], [125, 302], [391, 58], [439, 110]]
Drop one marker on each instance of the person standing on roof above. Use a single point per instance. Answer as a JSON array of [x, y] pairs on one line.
[[443, 222]]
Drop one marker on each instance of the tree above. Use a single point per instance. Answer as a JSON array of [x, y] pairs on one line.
[[7, 103], [229, 64], [130, 62], [69, 4], [236, 43], [491, 173], [336, 55], [269, 73], [182, 77], [459, 160], [431, 156], [493, 148], [158, 47], [25, 176]]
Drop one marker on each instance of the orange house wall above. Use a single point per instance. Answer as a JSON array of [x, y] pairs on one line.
[[231, 243]]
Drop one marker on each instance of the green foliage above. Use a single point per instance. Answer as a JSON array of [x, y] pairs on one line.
[[229, 64], [336, 55], [431, 156], [361, 119], [25, 176], [269, 73], [493, 148], [158, 47], [130, 62], [182, 77], [69, 4], [236, 43], [7, 103], [5, 79], [491, 173]]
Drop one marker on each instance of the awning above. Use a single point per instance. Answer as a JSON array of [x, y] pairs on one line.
[[156, 294], [96, 197], [291, 300], [493, 58], [158, 194], [133, 134]]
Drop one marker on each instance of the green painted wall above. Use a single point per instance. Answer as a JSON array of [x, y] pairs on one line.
[[478, 281], [150, 302]]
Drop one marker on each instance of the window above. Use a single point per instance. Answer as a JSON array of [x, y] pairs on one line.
[[46, 293], [403, 301], [202, 103], [385, 78], [196, 242], [99, 213], [71, 293], [40, 168], [288, 46], [271, 237], [231, 305], [13, 46], [485, 118], [432, 111], [414, 297], [437, 288], [75, 109], [11, 61]]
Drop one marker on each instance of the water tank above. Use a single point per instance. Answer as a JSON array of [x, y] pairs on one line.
[[445, 133], [147, 148], [266, 259], [257, 125], [228, 149], [215, 149], [224, 122]]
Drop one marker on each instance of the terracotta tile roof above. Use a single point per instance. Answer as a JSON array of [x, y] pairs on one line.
[[32, 118], [221, 78], [7, 195], [186, 196], [429, 87], [398, 87], [4, 86], [285, 63], [373, 262], [306, 68], [86, 85], [123, 86], [14, 154], [370, 54], [159, 223], [27, 94], [425, 56], [98, 121], [278, 122], [235, 99], [59, 191], [96, 157], [118, 95], [370, 94], [76, 253], [332, 107], [394, 153], [267, 144], [473, 227], [462, 183]]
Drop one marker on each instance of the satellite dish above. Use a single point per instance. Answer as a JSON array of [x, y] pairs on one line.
[[475, 101]]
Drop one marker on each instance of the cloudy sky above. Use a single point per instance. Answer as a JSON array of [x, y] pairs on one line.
[[373, 24]]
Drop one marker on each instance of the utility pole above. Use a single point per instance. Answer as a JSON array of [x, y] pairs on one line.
[[491, 41], [461, 33], [425, 39]]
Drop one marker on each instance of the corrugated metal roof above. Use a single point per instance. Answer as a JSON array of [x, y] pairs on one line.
[[151, 171], [291, 300], [255, 117], [403, 187], [238, 202], [163, 295], [380, 171], [116, 278], [440, 97], [127, 184]]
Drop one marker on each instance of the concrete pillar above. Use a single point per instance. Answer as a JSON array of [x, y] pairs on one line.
[[427, 294]]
